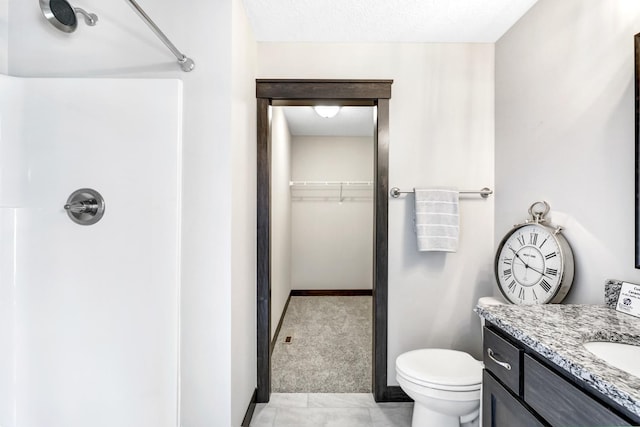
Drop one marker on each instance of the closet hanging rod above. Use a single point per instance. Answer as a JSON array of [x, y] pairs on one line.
[[185, 63], [484, 193]]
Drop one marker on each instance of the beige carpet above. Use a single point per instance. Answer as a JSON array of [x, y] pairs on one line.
[[330, 348]]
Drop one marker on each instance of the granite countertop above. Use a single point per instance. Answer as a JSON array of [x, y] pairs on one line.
[[557, 332]]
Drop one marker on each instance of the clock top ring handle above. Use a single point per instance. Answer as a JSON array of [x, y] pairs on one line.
[[538, 211]]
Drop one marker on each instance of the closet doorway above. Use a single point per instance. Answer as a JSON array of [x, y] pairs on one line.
[[321, 248], [359, 93]]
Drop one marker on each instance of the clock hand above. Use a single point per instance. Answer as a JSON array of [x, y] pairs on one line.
[[519, 259], [540, 272], [527, 266]]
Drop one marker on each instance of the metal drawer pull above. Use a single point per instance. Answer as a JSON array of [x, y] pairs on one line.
[[492, 357]]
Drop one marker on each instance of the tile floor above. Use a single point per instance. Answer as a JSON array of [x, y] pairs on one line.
[[330, 410]]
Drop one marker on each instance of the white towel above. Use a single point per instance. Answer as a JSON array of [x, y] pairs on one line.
[[437, 219]]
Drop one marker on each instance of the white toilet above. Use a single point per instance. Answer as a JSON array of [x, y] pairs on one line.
[[445, 384]]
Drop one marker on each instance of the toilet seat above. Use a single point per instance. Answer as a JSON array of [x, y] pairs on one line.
[[440, 369]]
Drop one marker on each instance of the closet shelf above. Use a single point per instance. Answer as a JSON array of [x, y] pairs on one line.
[[331, 190], [325, 184]]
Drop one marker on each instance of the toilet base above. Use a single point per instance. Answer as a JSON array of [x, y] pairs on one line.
[[425, 417], [474, 423]]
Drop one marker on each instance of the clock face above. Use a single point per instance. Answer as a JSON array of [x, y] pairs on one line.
[[529, 265]]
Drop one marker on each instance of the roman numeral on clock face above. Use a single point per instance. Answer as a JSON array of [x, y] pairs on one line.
[[545, 285], [551, 272], [512, 286], [543, 242], [521, 240], [551, 255], [521, 293], [533, 238]]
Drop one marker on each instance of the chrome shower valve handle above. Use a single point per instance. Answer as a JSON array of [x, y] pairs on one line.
[[85, 206], [89, 206]]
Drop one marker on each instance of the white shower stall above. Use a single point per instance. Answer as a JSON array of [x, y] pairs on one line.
[[89, 314]]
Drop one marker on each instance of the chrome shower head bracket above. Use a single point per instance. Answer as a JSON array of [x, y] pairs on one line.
[[85, 206], [63, 16], [90, 19]]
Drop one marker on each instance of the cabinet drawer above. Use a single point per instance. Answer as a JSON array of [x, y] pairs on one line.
[[503, 359], [560, 402]]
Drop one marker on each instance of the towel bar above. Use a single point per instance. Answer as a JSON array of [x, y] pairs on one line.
[[484, 193]]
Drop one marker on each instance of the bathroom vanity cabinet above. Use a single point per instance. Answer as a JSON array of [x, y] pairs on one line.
[[523, 389]]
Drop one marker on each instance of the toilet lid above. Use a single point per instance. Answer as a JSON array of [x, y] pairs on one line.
[[440, 366]]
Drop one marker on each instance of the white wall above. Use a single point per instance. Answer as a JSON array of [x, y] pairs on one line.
[[4, 36], [332, 241], [96, 307], [441, 134], [8, 174], [121, 45], [565, 132], [280, 215], [7, 315], [243, 222]]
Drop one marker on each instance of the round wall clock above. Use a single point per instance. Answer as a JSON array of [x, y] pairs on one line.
[[534, 262]]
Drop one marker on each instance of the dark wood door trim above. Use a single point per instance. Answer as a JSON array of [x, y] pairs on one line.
[[381, 253], [368, 90], [346, 92], [264, 253]]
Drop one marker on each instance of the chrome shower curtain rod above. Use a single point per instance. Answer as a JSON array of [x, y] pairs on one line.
[[186, 63]]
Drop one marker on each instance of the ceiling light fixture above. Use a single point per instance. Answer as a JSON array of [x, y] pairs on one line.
[[327, 111]]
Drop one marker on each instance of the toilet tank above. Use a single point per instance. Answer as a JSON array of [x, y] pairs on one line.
[[489, 301]]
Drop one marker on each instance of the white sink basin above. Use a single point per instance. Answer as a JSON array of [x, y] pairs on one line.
[[623, 356]]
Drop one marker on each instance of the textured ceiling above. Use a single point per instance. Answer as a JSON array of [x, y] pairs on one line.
[[429, 21], [350, 121]]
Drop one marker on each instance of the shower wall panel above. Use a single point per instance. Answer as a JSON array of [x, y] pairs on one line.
[[9, 91], [97, 307], [13, 164], [7, 316]]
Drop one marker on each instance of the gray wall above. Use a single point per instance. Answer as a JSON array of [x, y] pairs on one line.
[[441, 134], [280, 215], [332, 242], [565, 131]]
